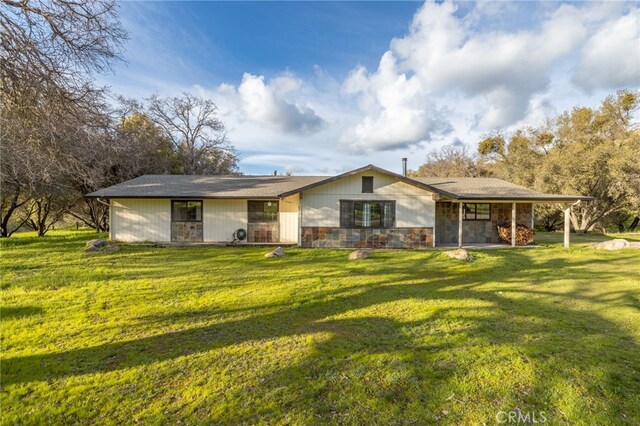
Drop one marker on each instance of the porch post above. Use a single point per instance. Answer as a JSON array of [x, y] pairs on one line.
[[533, 218], [110, 219], [513, 224], [567, 225], [460, 224]]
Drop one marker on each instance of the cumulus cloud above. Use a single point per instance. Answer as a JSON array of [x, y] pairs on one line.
[[397, 112], [271, 104], [405, 100], [611, 56]]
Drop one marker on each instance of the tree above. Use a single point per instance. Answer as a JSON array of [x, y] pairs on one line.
[[515, 158], [52, 114], [55, 45], [135, 147], [596, 153], [196, 133], [449, 161]]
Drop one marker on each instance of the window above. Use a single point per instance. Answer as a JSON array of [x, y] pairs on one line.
[[263, 211], [476, 211], [186, 211], [367, 184], [367, 214]]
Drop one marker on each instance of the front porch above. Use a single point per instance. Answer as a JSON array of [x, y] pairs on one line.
[[474, 223]]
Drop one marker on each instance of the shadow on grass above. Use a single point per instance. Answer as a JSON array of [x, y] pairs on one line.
[[555, 340], [9, 312]]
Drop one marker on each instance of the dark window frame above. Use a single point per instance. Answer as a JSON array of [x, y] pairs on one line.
[[352, 221], [187, 201], [474, 214], [276, 220], [365, 186]]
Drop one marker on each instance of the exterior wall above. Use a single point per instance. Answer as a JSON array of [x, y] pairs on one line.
[[414, 206], [135, 220], [221, 218], [288, 217], [317, 236], [477, 231]]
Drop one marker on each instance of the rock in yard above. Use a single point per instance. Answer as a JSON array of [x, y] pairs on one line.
[[617, 244], [279, 251], [460, 254], [110, 249], [359, 254], [96, 245]]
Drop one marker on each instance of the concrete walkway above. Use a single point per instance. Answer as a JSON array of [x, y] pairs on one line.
[[481, 246]]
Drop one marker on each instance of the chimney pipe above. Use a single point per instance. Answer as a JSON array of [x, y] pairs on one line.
[[404, 167]]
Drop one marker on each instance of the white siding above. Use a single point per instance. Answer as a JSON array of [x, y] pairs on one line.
[[221, 218], [288, 217], [414, 206], [140, 219], [135, 220]]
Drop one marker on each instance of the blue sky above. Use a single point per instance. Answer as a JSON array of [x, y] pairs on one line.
[[222, 40], [321, 87]]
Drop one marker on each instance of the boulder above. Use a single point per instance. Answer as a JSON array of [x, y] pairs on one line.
[[460, 254], [110, 249], [360, 254], [98, 243], [279, 251], [617, 244]]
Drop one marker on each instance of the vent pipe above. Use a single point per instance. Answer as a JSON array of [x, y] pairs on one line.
[[404, 167]]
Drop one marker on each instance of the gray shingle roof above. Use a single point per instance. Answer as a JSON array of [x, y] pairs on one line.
[[490, 188], [188, 186]]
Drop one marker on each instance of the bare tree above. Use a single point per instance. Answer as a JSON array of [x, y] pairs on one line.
[[50, 108], [197, 134], [55, 45], [449, 161]]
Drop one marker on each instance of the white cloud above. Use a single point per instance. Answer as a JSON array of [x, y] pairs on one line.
[[504, 72], [269, 104], [397, 112], [611, 57], [460, 70]]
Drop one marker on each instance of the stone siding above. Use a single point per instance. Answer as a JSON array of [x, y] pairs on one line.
[[263, 233], [332, 237], [477, 231], [186, 232]]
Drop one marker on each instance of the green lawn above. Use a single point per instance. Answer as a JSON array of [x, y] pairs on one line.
[[222, 335]]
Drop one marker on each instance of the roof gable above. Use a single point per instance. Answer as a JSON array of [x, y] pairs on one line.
[[366, 168]]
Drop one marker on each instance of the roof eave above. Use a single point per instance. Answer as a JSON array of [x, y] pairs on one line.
[[558, 199], [186, 197]]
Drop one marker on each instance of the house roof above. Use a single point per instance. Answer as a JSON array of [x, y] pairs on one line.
[[466, 188], [189, 186], [270, 187]]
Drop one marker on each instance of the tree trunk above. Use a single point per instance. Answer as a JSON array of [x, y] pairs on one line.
[[634, 224], [6, 216]]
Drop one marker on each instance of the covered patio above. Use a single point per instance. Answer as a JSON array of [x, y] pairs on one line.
[[469, 210]]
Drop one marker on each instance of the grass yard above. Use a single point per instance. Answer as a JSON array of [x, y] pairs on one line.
[[222, 335]]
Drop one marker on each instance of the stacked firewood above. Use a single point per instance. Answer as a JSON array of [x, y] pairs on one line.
[[524, 234]]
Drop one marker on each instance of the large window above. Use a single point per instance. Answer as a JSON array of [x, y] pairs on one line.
[[186, 211], [263, 211], [476, 211], [367, 214]]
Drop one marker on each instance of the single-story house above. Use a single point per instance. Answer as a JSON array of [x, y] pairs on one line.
[[366, 207]]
